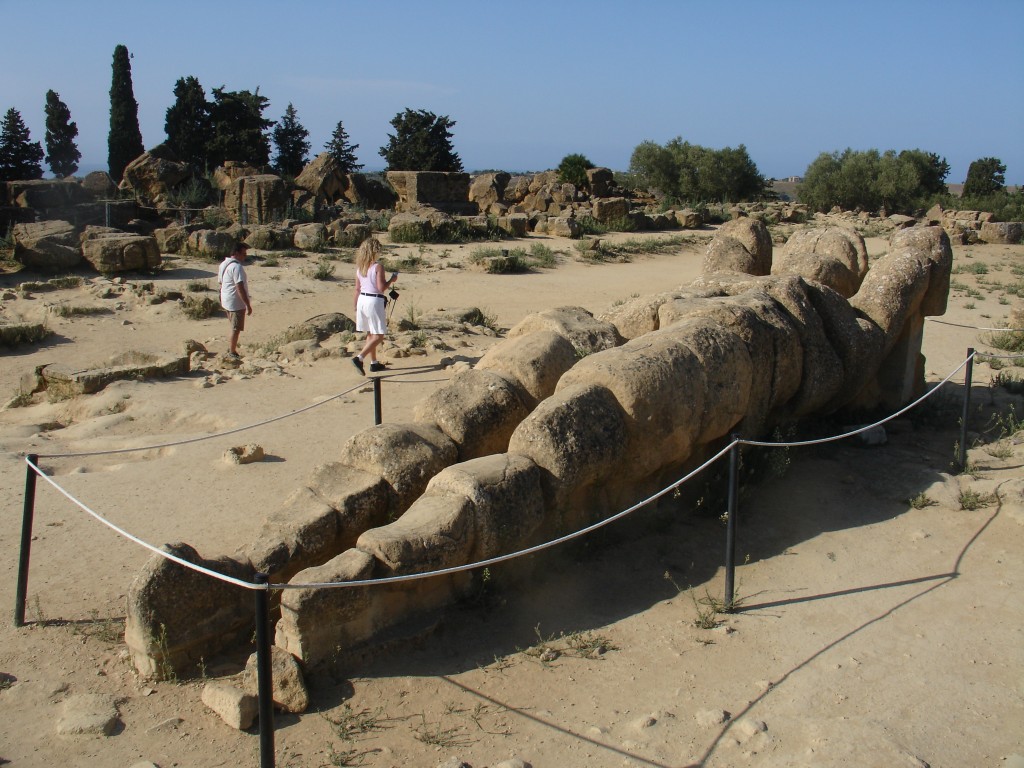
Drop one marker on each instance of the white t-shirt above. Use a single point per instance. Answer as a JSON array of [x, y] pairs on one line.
[[230, 275]]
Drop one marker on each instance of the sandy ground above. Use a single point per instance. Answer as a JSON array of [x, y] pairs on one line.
[[872, 632]]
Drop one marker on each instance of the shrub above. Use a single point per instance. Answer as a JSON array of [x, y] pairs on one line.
[[199, 307], [1008, 341], [322, 270], [69, 310], [216, 217], [542, 256], [573, 170], [17, 334]]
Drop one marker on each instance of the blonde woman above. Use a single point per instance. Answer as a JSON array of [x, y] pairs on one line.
[[369, 302]]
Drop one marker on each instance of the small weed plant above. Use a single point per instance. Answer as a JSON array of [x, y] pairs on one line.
[[1012, 382], [974, 268], [164, 668], [1008, 341], [971, 500], [70, 310], [322, 270], [921, 500]]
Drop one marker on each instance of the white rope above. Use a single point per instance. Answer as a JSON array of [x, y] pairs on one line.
[[510, 555], [977, 328], [140, 542], [858, 431], [480, 563], [188, 440], [1000, 357]]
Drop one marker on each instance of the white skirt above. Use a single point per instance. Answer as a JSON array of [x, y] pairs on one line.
[[370, 316]]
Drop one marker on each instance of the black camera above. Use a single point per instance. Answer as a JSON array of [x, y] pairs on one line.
[[393, 294]]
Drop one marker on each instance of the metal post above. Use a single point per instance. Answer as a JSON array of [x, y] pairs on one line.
[[730, 526], [106, 217], [27, 516], [377, 419], [967, 407], [264, 673]]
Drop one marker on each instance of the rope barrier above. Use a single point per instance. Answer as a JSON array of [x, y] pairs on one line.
[[975, 327], [188, 440], [859, 430], [393, 378], [137, 540], [511, 555], [999, 357], [481, 563]]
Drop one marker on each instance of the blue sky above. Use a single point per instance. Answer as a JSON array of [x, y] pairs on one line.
[[529, 82]]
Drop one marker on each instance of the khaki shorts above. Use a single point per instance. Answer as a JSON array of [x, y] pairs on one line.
[[237, 319]]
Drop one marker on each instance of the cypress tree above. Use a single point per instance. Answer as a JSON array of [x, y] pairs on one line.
[[124, 142], [239, 128], [985, 176], [62, 153], [19, 157], [421, 142], [290, 139], [188, 126], [341, 150]]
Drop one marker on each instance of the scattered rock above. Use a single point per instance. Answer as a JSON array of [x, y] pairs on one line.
[[647, 721], [513, 762], [708, 718], [290, 692], [244, 454], [88, 714], [748, 727], [234, 706]]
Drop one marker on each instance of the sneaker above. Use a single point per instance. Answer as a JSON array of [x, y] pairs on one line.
[[359, 365], [232, 356], [376, 367]]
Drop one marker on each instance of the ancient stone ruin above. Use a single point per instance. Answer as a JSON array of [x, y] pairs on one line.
[[568, 419]]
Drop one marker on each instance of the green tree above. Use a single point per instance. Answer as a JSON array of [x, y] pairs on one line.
[[239, 128], [290, 138], [985, 176], [62, 153], [819, 188], [932, 171], [690, 173], [187, 123], [342, 150], [897, 182], [655, 168], [870, 180], [19, 156], [421, 142], [124, 142], [573, 170]]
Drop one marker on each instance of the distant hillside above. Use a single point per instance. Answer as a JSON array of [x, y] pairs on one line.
[[786, 190]]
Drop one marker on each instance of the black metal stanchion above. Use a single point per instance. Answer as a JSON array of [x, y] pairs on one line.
[[27, 516], [377, 419], [730, 526], [264, 673], [962, 458]]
